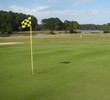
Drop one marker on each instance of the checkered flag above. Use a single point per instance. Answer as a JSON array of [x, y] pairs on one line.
[[26, 23]]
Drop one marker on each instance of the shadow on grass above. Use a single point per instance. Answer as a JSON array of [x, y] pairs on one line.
[[65, 62], [53, 68]]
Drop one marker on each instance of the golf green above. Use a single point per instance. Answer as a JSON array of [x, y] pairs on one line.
[[66, 67]]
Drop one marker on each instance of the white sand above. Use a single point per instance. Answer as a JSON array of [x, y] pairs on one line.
[[6, 43]]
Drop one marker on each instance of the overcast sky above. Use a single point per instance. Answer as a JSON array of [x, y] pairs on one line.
[[82, 11]]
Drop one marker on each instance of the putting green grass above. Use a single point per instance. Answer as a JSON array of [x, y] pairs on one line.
[[67, 67]]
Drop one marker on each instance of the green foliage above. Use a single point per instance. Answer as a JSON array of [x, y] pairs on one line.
[[106, 31], [10, 21], [52, 32], [52, 24], [9, 30], [72, 26], [95, 27]]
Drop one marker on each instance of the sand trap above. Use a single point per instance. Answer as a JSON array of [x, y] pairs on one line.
[[6, 43]]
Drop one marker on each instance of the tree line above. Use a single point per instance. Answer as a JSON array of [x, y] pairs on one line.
[[105, 27], [57, 24], [10, 21]]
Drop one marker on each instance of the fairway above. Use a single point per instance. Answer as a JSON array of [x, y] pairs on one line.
[[67, 67]]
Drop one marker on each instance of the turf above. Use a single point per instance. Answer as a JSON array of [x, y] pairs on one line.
[[67, 67]]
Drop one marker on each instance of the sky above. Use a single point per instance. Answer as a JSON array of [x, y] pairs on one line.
[[82, 11]]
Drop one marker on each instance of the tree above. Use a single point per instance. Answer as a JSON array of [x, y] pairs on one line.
[[71, 26], [52, 24], [10, 21]]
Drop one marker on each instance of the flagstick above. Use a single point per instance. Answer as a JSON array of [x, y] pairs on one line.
[[32, 66]]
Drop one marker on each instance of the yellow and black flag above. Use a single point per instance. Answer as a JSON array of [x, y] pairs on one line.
[[27, 23]]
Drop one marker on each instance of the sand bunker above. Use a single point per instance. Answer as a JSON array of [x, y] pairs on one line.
[[6, 43]]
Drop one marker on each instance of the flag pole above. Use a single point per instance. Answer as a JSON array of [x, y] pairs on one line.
[[32, 64]]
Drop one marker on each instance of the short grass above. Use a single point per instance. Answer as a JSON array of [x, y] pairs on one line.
[[67, 67]]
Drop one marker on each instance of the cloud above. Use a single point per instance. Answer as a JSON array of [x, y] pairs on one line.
[[28, 10], [82, 16]]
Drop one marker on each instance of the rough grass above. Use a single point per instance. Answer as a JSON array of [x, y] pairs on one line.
[[67, 67], [48, 31]]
